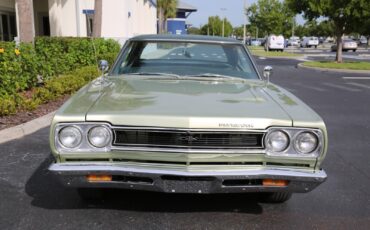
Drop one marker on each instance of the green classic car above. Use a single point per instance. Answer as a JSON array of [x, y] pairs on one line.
[[187, 114]]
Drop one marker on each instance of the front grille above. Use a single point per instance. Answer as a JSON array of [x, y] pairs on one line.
[[187, 139]]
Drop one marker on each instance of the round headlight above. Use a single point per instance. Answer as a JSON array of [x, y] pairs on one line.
[[70, 137], [99, 136], [306, 142], [277, 141]]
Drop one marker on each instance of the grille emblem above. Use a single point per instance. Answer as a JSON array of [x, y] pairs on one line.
[[187, 138]]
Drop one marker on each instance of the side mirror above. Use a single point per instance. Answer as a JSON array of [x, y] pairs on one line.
[[103, 66], [267, 72]]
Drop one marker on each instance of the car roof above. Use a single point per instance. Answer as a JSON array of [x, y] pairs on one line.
[[186, 38]]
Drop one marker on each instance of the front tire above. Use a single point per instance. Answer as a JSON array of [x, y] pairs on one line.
[[275, 197]]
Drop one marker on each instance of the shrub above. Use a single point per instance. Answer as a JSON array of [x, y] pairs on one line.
[[7, 106], [17, 72], [54, 87], [66, 54], [51, 56]]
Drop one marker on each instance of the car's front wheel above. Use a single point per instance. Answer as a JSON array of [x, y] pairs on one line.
[[90, 193], [275, 197]]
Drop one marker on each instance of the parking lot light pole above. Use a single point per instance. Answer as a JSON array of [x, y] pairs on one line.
[[245, 22], [223, 22]]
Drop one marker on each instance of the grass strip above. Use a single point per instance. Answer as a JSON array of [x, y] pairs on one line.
[[352, 65], [262, 53]]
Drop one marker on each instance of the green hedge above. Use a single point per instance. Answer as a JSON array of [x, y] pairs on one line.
[[17, 72], [53, 88], [49, 57]]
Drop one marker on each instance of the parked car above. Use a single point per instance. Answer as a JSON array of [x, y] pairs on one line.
[[363, 41], [347, 44], [329, 40], [187, 114], [310, 42], [255, 42], [293, 42], [321, 40], [274, 42], [263, 41]]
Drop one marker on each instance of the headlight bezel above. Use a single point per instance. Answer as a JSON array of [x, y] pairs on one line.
[[85, 146], [293, 133]]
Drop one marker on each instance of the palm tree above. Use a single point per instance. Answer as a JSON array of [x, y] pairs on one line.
[[165, 9], [97, 18], [26, 31]]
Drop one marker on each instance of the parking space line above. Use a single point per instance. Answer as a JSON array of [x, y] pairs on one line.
[[358, 85], [313, 88], [341, 87], [357, 78]]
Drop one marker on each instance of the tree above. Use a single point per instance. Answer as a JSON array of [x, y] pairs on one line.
[[346, 15], [364, 29], [26, 20], [98, 17], [214, 27], [325, 29], [271, 17], [165, 9], [239, 31], [194, 30], [301, 31]]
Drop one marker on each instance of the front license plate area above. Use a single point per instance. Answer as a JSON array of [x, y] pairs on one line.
[[177, 184]]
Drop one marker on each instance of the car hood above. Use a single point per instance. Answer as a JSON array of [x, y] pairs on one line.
[[178, 103]]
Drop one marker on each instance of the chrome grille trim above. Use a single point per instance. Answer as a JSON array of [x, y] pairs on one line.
[[186, 140]]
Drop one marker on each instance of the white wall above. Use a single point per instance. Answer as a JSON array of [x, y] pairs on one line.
[[62, 15], [116, 22], [84, 5], [125, 19]]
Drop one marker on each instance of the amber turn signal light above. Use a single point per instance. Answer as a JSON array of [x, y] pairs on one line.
[[271, 182], [99, 178]]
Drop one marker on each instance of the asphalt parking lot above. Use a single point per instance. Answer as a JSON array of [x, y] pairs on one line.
[[31, 199]]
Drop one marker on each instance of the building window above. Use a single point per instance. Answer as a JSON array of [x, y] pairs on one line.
[[45, 25], [89, 24], [8, 28], [89, 21]]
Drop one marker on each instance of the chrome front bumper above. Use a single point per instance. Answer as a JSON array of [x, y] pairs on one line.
[[176, 181]]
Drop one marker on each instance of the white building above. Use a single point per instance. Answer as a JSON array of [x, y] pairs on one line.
[[121, 19]]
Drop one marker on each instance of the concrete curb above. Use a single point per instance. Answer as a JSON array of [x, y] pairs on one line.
[[282, 57], [300, 65], [25, 129]]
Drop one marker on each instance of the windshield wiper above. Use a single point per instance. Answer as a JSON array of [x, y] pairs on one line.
[[155, 74], [213, 75]]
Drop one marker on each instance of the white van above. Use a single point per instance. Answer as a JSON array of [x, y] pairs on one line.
[[274, 42], [309, 42]]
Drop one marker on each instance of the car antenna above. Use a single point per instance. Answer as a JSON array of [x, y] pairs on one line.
[[102, 67]]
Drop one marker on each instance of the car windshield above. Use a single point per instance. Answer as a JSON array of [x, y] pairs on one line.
[[185, 59]]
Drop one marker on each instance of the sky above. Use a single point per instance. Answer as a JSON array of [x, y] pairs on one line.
[[234, 11]]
